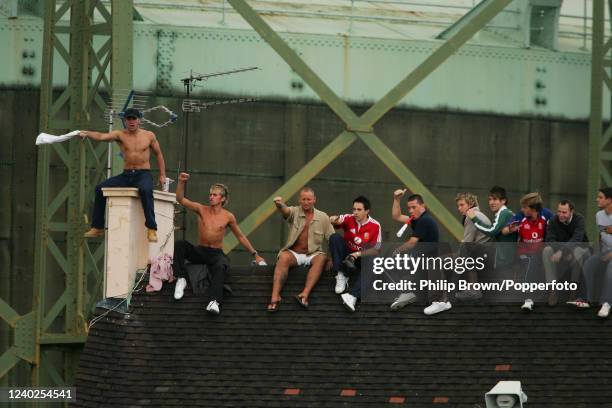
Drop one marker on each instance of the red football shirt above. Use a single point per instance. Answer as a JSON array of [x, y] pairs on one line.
[[360, 236], [531, 235]]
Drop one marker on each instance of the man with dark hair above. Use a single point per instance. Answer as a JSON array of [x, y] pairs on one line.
[[424, 230], [498, 200], [135, 144], [566, 246], [213, 221], [601, 263], [308, 229], [362, 235]]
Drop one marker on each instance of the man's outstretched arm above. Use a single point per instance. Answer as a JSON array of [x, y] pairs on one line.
[[243, 239], [100, 137], [180, 194], [282, 207]]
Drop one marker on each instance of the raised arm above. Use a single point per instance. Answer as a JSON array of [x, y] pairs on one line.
[[396, 211], [180, 194], [282, 207], [244, 241], [160, 159], [100, 137]]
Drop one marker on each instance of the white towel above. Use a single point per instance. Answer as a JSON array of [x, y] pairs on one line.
[[45, 138]]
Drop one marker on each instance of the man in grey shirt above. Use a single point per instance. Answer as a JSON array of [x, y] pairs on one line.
[[473, 242], [601, 263]]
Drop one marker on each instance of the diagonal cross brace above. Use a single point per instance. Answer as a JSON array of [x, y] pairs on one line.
[[361, 125]]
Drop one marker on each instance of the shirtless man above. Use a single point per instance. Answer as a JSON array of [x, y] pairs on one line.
[[213, 220], [135, 144], [308, 228]]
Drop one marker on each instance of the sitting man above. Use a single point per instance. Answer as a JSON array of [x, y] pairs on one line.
[[362, 236], [473, 242], [213, 220], [135, 144], [308, 229], [505, 251], [566, 246], [599, 266], [424, 230], [531, 234]]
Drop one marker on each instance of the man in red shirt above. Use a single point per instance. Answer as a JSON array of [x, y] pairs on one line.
[[362, 236], [531, 231]]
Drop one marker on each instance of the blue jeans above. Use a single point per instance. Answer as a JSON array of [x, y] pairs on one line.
[[141, 179], [339, 250]]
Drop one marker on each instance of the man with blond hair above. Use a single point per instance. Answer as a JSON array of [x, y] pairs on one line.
[[472, 244], [213, 220], [531, 233]]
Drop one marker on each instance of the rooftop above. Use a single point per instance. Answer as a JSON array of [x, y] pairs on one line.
[[168, 353]]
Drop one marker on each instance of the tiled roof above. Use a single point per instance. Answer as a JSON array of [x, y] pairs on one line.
[[169, 353]]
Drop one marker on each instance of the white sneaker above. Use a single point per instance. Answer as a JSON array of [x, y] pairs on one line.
[[604, 311], [213, 307], [341, 283], [436, 307], [403, 300], [179, 288], [528, 305], [349, 301]]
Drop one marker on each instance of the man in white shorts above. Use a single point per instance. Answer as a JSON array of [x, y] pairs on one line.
[[308, 229]]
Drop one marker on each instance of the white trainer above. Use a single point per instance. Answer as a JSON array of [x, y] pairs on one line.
[[437, 307], [604, 311], [213, 307], [341, 283], [349, 301], [179, 288], [403, 300], [528, 305]]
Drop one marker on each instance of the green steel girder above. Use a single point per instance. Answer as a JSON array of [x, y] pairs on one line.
[[76, 261], [362, 126], [600, 148], [25, 344]]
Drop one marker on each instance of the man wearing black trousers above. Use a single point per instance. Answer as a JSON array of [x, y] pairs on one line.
[[213, 220]]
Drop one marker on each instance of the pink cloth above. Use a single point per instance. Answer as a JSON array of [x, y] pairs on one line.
[[160, 271]]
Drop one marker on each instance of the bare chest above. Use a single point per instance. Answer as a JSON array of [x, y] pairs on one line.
[[135, 143]]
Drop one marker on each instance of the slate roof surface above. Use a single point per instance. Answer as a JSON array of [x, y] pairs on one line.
[[169, 353]]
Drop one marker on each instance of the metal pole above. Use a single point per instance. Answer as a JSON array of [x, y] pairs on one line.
[[595, 121]]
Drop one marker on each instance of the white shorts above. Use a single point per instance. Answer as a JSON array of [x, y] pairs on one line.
[[303, 259]]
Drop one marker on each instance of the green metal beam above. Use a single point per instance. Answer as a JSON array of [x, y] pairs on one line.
[[299, 179], [42, 177], [477, 21], [326, 94], [410, 180], [8, 360], [8, 314], [596, 118]]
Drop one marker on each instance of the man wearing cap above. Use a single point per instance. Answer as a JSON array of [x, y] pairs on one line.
[[135, 145]]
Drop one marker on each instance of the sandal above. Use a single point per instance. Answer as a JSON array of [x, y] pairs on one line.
[[302, 301], [274, 306]]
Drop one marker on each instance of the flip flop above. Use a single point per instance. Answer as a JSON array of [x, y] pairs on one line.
[[274, 306], [301, 301]]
